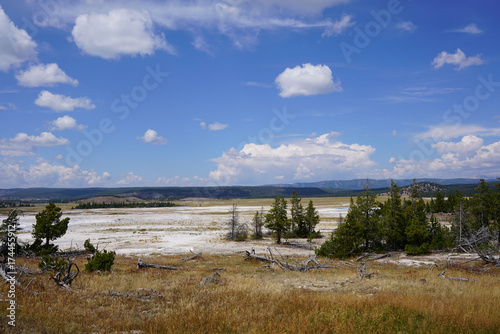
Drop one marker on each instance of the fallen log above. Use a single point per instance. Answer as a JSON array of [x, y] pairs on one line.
[[141, 265], [285, 264], [192, 257], [460, 279]]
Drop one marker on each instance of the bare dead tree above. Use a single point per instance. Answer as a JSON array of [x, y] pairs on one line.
[[289, 264], [482, 243]]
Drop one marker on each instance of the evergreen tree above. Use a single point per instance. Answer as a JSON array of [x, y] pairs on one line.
[[439, 204], [8, 234], [417, 229], [258, 221], [369, 218], [311, 219], [496, 210], [49, 225], [348, 239], [298, 223], [482, 205], [233, 223], [393, 220], [276, 219]]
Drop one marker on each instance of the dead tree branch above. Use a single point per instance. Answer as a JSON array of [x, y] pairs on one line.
[[192, 257], [460, 279], [64, 277], [284, 263], [141, 265]]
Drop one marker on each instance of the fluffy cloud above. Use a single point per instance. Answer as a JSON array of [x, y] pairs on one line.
[[321, 157], [44, 174], [339, 26], [44, 75], [120, 32], [465, 147], [152, 137], [61, 103], [467, 157], [241, 21], [458, 58], [455, 131], [307, 80], [66, 123], [130, 179], [16, 46], [23, 144], [214, 126], [470, 29]]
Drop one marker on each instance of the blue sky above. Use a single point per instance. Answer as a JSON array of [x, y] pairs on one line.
[[239, 92]]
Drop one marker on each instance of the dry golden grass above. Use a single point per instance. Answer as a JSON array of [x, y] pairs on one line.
[[252, 299]]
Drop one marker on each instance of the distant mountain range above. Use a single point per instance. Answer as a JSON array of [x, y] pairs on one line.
[[313, 189], [358, 184]]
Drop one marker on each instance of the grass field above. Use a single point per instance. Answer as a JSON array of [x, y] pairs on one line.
[[253, 299]]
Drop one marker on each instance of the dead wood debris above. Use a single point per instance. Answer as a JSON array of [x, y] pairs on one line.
[[192, 257], [289, 264], [460, 279], [141, 264]]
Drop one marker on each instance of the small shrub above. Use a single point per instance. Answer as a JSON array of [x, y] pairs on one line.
[[50, 263], [425, 248], [41, 250], [88, 246], [101, 261]]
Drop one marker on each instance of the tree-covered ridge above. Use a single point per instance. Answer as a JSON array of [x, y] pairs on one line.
[[118, 205], [410, 225]]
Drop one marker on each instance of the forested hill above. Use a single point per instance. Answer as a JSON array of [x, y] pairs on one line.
[[72, 194], [321, 189]]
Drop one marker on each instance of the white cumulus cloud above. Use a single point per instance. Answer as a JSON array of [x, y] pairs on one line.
[[66, 123], [24, 144], [120, 32], [16, 46], [466, 146], [459, 59], [307, 80], [320, 157], [152, 137], [61, 103], [44, 174], [44, 75], [468, 157]]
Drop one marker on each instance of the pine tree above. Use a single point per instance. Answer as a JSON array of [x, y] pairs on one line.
[[233, 223], [49, 225], [348, 239], [311, 219], [298, 223], [276, 219], [369, 219], [393, 220], [258, 221], [8, 234], [481, 205], [417, 229]]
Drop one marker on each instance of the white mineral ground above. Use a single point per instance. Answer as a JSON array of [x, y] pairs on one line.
[[177, 230]]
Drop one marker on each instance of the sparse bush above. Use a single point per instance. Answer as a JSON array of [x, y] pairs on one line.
[[88, 246], [101, 261], [41, 250], [51, 263], [418, 250]]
